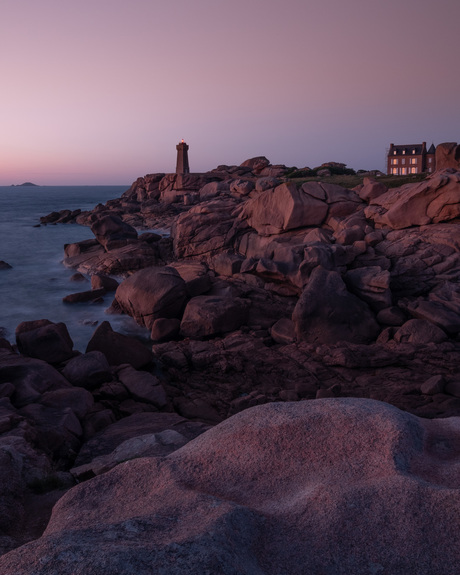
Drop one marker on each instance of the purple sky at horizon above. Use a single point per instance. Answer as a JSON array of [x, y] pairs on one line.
[[101, 91]]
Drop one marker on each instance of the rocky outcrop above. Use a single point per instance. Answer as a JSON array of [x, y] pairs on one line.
[[337, 484], [49, 413], [287, 207], [433, 200], [267, 291], [448, 156], [205, 229], [112, 232], [326, 312]]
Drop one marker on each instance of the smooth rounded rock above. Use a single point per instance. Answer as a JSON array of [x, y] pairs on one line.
[[152, 293], [328, 486]]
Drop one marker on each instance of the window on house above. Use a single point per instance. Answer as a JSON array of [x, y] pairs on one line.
[[394, 162], [404, 151], [413, 170], [394, 153], [404, 171], [413, 151], [394, 171], [430, 160], [403, 161], [413, 160]]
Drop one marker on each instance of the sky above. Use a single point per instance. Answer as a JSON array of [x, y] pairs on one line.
[[101, 91]]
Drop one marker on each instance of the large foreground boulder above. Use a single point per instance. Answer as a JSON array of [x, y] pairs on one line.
[[339, 486]]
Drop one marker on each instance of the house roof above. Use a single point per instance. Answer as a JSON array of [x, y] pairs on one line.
[[432, 149], [407, 149]]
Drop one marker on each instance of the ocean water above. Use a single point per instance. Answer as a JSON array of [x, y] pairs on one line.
[[34, 287]]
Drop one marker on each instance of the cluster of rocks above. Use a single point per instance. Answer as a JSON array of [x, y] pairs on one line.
[[66, 416], [255, 289], [285, 277], [265, 280]]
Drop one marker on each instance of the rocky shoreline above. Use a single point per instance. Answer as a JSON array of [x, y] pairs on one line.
[[256, 289]]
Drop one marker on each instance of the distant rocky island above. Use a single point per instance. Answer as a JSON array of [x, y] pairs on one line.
[[296, 409], [24, 184]]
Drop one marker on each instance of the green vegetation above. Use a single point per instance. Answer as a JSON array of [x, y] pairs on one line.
[[351, 180]]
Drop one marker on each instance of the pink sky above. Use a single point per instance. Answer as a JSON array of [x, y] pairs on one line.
[[101, 91]]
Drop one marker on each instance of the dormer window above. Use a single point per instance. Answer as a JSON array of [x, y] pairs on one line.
[[394, 153], [413, 151], [404, 151]]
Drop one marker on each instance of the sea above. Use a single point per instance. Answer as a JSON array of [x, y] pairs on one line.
[[34, 287]]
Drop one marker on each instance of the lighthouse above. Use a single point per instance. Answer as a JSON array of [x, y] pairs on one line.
[[182, 166]]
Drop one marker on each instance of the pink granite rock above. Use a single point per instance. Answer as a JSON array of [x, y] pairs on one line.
[[371, 189], [152, 293], [44, 340], [108, 439], [256, 164], [448, 156], [112, 232], [326, 312], [88, 370], [214, 189], [284, 208], [266, 183], [20, 465], [283, 331], [165, 329], [332, 485], [419, 331], [205, 229], [372, 285], [195, 275], [84, 296], [118, 348], [433, 200], [143, 386], [207, 316], [101, 281], [240, 188], [79, 400], [31, 378]]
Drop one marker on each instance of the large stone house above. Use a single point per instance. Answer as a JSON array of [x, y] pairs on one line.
[[411, 159]]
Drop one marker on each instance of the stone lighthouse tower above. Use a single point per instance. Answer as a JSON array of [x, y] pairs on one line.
[[182, 166]]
